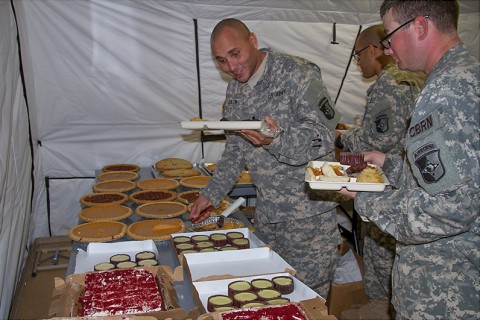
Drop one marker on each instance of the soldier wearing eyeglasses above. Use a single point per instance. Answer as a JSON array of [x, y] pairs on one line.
[[433, 205], [390, 100]]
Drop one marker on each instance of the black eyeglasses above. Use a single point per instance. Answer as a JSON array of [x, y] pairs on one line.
[[356, 55], [386, 42]]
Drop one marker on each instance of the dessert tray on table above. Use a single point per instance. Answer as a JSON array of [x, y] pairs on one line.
[[315, 182]]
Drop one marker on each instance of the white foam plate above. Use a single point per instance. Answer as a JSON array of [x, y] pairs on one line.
[[221, 125], [351, 185]]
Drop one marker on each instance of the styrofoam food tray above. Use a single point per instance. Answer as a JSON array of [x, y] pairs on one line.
[[235, 263], [351, 185], [205, 289], [221, 125], [101, 252]]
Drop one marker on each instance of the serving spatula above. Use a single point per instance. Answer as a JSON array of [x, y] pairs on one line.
[[225, 213]]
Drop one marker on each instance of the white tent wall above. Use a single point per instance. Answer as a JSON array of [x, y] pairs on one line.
[[107, 81]]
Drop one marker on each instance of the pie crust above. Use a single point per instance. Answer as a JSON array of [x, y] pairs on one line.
[[103, 199], [161, 210], [155, 229], [99, 231], [105, 213], [181, 173], [121, 167], [149, 196], [195, 182], [158, 184], [173, 163], [114, 186], [118, 175], [188, 197]]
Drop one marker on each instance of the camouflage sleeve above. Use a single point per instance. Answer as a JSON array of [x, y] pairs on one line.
[[311, 134], [228, 169], [440, 187]]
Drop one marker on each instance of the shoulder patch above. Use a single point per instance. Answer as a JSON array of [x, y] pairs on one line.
[[381, 123], [429, 163], [326, 108]]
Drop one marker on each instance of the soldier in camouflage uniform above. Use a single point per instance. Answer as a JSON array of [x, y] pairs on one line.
[[288, 92], [433, 205], [390, 101]]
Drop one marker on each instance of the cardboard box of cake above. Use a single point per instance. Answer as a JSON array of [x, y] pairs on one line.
[[149, 291]]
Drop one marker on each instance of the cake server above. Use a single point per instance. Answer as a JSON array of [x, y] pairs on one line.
[[225, 213]]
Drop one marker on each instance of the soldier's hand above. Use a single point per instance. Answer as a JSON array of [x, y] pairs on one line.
[[200, 209]]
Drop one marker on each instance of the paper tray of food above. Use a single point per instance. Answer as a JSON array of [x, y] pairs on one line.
[[316, 178], [237, 263], [206, 289], [221, 125], [102, 252]]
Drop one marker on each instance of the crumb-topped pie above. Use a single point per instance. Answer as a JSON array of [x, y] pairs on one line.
[[118, 175], [155, 229], [114, 186], [99, 231], [161, 210], [147, 196], [158, 184], [181, 173], [105, 213], [195, 182], [103, 199], [121, 167], [173, 163]]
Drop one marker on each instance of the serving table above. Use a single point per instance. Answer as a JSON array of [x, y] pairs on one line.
[[167, 256]]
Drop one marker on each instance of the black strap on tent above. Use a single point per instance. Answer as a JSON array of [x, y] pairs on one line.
[[22, 77], [47, 187], [348, 65]]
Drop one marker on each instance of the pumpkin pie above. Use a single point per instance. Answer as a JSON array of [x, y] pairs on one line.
[[195, 182], [148, 196], [161, 210], [181, 173], [121, 167], [155, 229], [188, 197], [158, 184], [173, 163], [118, 175], [114, 186], [99, 231], [105, 213], [103, 199]]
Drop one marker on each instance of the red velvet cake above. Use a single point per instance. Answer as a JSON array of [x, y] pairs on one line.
[[290, 311], [117, 292]]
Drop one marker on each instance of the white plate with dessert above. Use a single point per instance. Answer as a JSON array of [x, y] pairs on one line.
[[325, 175], [221, 125]]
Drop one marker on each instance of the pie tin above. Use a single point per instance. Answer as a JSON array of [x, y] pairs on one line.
[[213, 220]]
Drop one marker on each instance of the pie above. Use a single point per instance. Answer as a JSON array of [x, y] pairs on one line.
[[121, 167], [195, 182], [114, 186], [158, 184], [188, 197], [99, 231], [147, 196], [173, 163], [105, 213], [103, 199], [155, 229], [118, 175], [181, 173], [161, 210]]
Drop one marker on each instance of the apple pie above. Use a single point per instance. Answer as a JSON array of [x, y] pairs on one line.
[[173, 163]]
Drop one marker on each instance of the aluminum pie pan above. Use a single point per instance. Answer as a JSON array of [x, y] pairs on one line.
[[210, 224]]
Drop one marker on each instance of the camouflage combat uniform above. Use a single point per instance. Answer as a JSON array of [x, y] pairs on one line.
[[433, 205], [390, 101], [300, 229]]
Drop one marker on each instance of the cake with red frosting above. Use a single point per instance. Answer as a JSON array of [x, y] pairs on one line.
[[117, 292], [289, 311]]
